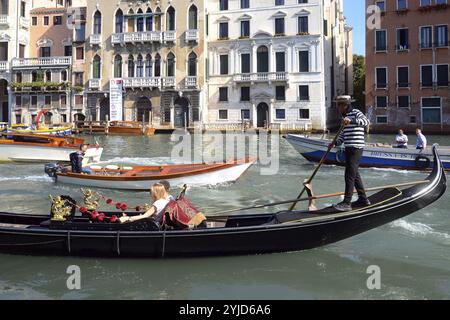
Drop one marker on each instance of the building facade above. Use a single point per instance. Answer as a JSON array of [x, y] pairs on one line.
[[157, 50], [408, 56], [276, 63], [14, 42]]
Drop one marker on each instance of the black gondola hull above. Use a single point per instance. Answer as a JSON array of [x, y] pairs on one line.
[[24, 235]]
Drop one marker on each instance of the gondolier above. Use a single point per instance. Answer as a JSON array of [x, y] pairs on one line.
[[353, 138]]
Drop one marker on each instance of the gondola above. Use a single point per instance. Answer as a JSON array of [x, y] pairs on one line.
[[224, 235], [374, 156]]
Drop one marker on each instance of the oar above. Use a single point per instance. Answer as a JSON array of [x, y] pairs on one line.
[[322, 161], [324, 196]]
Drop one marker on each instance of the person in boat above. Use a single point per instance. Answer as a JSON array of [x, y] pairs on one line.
[[167, 186], [76, 160], [160, 197], [402, 140], [421, 140], [353, 138]]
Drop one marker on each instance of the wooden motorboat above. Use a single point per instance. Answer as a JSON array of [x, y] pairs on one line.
[[132, 128], [224, 235], [143, 177], [43, 148], [53, 130], [374, 156], [38, 128]]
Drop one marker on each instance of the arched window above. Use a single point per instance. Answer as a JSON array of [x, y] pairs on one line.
[[157, 65], [119, 21], [63, 76], [48, 76], [130, 20], [263, 59], [96, 67], [140, 21], [118, 66], [149, 20], [193, 24], [139, 67], [148, 66], [131, 66], [97, 22], [158, 19], [192, 65], [171, 65], [170, 19]]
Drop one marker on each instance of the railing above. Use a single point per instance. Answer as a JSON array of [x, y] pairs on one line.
[[381, 86], [190, 82], [4, 19], [170, 36], [37, 62], [150, 82], [261, 77], [442, 44], [95, 39], [24, 22], [95, 83], [434, 85], [169, 82], [404, 47], [192, 35], [403, 85], [133, 37], [4, 65]]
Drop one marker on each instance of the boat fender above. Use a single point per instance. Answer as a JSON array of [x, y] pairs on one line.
[[340, 156], [422, 161]]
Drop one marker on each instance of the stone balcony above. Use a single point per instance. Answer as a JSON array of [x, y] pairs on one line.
[[170, 36], [48, 62], [95, 84], [24, 22], [4, 20], [192, 35], [137, 83], [262, 77], [136, 37], [95, 40], [4, 66], [190, 82], [168, 82]]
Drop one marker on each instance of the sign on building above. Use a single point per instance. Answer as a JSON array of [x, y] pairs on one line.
[[115, 96]]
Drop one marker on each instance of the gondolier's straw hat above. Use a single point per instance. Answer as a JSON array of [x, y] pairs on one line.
[[347, 99]]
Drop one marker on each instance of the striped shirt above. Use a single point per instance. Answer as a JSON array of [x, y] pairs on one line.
[[353, 135]]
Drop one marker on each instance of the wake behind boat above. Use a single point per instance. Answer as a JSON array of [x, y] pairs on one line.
[[221, 235], [142, 177], [43, 148], [313, 149]]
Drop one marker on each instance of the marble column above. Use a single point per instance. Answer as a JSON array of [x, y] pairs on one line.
[[254, 58]]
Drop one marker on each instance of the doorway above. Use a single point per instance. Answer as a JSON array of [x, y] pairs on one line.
[[104, 109], [262, 115], [143, 109], [181, 119]]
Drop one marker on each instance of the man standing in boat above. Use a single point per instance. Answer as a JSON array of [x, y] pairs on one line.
[[353, 138], [402, 140], [421, 140], [76, 160]]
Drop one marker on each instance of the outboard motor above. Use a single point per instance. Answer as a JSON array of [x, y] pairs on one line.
[[52, 169]]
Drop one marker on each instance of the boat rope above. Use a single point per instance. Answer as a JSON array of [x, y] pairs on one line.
[[69, 249], [164, 245], [118, 243]]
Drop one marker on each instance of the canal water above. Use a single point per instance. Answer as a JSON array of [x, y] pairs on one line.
[[413, 254]]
